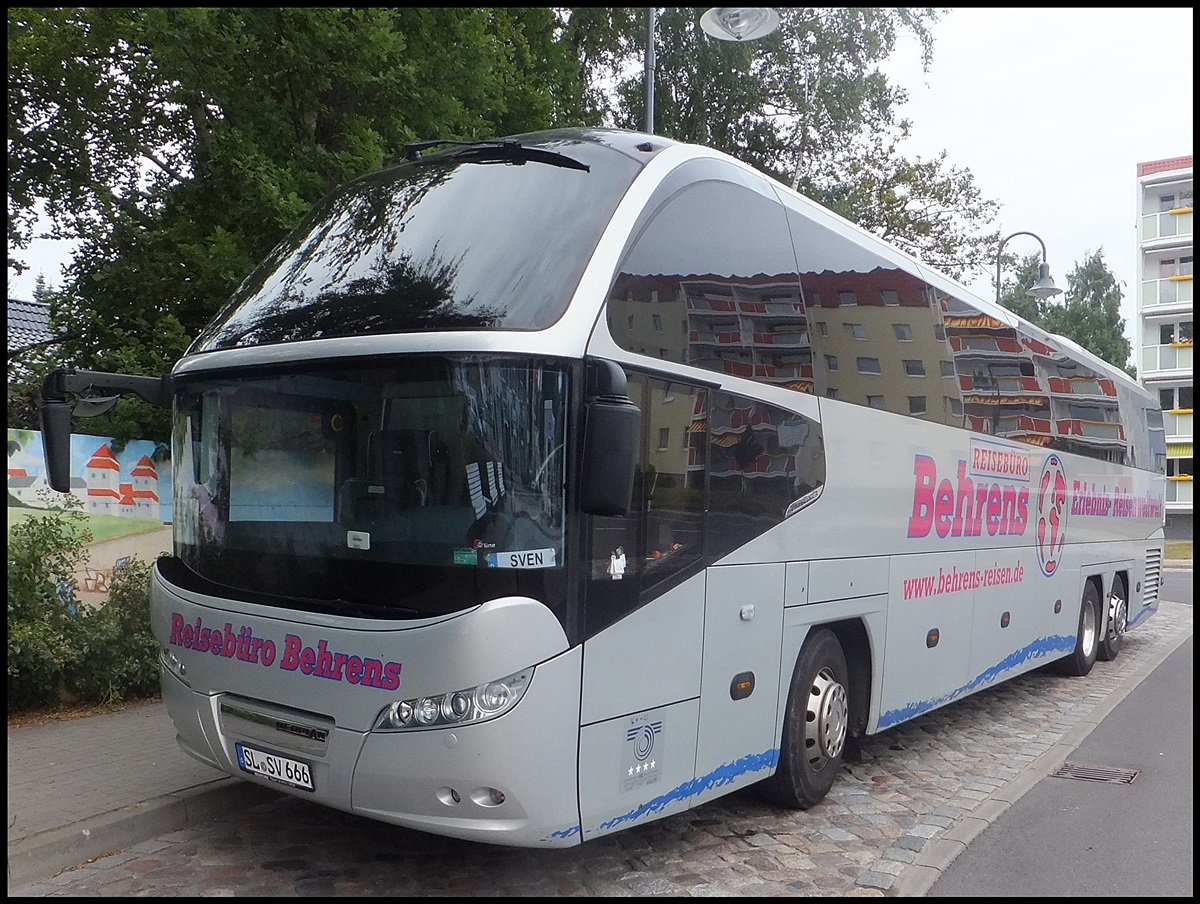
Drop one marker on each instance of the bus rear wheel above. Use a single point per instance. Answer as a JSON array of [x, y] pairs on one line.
[[815, 725], [1118, 613], [1087, 636]]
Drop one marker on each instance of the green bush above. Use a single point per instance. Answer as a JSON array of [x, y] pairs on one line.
[[59, 651], [44, 552], [118, 653]]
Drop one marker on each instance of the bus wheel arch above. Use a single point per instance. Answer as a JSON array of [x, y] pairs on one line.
[[1117, 602], [815, 724], [1087, 633]]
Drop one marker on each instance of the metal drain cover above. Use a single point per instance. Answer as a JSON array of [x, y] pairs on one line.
[[1096, 774]]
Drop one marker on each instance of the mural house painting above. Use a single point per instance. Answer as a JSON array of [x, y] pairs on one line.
[[105, 483]]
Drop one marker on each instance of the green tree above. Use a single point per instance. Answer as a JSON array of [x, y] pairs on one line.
[[180, 144], [1088, 312], [809, 105]]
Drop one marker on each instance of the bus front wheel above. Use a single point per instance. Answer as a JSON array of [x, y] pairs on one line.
[[1087, 636], [815, 724]]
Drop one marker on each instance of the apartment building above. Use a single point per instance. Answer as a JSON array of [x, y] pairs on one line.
[[1163, 329]]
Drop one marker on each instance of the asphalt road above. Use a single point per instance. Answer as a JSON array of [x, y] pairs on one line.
[[1128, 830]]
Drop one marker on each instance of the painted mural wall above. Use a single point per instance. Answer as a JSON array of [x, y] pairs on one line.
[[129, 484]]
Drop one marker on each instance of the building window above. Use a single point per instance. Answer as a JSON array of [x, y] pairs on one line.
[[831, 392], [1185, 266], [1185, 397], [868, 365], [889, 297], [1166, 399], [914, 367], [823, 328], [947, 368], [629, 320], [1166, 268], [916, 404], [875, 401], [657, 319], [856, 331], [1166, 333], [847, 299], [831, 362], [664, 438], [903, 332], [939, 333]]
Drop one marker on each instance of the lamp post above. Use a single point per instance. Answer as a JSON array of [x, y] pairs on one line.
[[726, 23], [1044, 287]]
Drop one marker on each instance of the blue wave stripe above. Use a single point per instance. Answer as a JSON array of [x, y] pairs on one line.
[[1039, 649], [722, 775]]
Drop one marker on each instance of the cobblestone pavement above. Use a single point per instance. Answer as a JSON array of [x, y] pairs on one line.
[[885, 815]]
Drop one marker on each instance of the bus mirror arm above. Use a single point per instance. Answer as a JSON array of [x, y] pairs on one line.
[[611, 439], [57, 410]]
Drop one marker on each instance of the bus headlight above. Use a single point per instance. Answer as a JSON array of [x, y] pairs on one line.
[[464, 707], [173, 664]]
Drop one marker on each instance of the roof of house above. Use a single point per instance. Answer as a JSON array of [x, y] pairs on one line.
[[28, 323]]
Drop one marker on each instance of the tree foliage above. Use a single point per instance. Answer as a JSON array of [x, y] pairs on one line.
[[1088, 312], [179, 145]]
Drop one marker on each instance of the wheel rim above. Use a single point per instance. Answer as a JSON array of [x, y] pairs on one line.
[[1116, 618], [825, 731], [1087, 630]]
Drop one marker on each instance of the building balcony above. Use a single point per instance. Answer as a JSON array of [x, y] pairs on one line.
[[1169, 223], [1179, 494], [1166, 360], [1173, 290], [1178, 425]]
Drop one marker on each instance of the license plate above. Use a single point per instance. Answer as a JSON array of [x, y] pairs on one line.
[[274, 767]]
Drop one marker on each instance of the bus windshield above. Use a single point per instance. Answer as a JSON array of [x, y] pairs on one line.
[[405, 488], [445, 244]]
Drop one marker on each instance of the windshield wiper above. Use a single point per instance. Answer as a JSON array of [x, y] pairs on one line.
[[505, 151]]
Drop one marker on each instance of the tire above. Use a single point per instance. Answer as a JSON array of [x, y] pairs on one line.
[[815, 725], [1087, 636], [1118, 613]]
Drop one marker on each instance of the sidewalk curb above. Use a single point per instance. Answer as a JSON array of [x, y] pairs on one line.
[[918, 877], [50, 852]]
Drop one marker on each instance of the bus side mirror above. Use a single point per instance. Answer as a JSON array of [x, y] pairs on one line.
[[56, 442], [57, 409], [612, 433]]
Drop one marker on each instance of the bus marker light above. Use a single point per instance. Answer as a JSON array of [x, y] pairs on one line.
[[932, 638], [742, 686]]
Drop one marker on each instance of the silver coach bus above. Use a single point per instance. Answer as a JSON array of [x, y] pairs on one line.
[[540, 487]]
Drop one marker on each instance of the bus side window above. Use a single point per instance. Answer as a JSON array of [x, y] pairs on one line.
[[761, 460]]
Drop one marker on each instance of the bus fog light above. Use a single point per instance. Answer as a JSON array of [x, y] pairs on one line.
[[488, 797], [448, 796]]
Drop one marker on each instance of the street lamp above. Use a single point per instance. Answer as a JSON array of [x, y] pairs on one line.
[[726, 23], [1044, 287]]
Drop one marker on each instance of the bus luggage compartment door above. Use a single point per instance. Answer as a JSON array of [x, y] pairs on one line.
[[739, 687]]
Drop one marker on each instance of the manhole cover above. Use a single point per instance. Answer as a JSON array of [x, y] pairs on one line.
[[1096, 774]]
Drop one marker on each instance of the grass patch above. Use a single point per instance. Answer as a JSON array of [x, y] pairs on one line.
[[1178, 549], [102, 527]]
